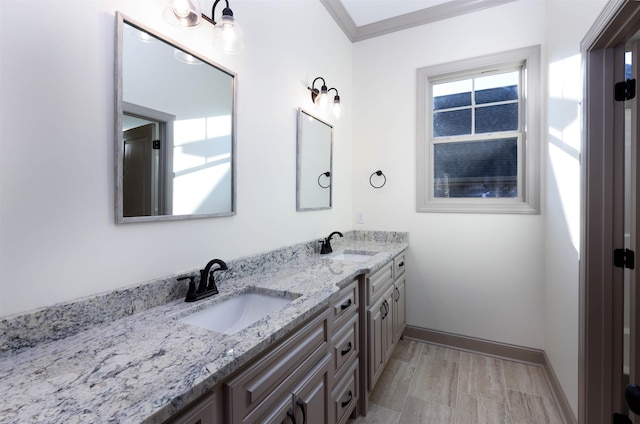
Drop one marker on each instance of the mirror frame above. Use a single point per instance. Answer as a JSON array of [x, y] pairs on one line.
[[121, 19], [300, 117]]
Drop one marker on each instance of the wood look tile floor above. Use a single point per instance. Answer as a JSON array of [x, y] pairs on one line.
[[424, 383]]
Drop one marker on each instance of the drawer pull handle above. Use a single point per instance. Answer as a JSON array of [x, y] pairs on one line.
[[398, 294], [385, 304], [347, 350], [345, 305], [401, 264], [291, 415], [300, 403], [348, 401]]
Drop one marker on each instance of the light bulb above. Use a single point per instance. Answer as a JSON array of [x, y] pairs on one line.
[[185, 13], [228, 36], [322, 100], [337, 108]]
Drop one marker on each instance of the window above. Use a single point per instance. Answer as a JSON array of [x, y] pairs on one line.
[[478, 134]]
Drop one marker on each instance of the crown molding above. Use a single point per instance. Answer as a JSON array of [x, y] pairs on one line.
[[420, 17]]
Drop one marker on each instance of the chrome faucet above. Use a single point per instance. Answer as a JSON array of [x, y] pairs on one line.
[[326, 243], [207, 286]]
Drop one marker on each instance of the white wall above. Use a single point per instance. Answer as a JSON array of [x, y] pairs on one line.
[[505, 278], [566, 26], [58, 240], [470, 274]]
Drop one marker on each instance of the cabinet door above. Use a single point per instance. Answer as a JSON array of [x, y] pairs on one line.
[[388, 340], [312, 399], [258, 387], [399, 309], [377, 320]]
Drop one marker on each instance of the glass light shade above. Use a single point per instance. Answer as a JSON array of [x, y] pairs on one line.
[[337, 108], [228, 36], [322, 99], [184, 13]]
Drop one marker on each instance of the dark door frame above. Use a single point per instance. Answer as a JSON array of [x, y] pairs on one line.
[[601, 284]]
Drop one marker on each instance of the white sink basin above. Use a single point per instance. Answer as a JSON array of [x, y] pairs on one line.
[[237, 313], [353, 256]]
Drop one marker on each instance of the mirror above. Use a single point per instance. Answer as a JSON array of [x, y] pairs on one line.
[[175, 130], [314, 173]]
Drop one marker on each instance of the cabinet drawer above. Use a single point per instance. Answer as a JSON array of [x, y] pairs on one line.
[[346, 393], [270, 375], [377, 282], [398, 266], [202, 411], [345, 344], [347, 302]]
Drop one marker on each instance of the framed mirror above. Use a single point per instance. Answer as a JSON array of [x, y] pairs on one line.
[[314, 163], [175, 130]]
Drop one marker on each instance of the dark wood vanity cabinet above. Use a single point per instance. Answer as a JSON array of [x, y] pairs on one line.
[[289, 381], [345, 343], [203, 411], [318, 374], [386, 315]]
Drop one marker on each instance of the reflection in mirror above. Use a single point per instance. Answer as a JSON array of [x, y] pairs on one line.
[[314, 182], [175, 126]]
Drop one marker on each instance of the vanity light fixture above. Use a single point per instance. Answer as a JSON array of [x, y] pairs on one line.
[[227, 34], [184, 13], [321, 96], [337, 106]]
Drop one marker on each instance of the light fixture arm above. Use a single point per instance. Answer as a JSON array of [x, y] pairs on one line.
[[314, 91], [337, 96], [225, 12]]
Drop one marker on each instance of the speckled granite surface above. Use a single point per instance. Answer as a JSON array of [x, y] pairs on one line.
[[122, 357]]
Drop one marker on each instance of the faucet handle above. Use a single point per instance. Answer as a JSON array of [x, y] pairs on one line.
[[191, 292], [326, 246], [211, 287]]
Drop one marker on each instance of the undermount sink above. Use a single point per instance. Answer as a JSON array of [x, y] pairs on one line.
[[353, 256], [237, 313]]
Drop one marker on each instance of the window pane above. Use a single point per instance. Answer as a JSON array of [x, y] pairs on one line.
[[500, 94], [454, 122], [497, 80], [452, 94], [497, 118], [451, 101], [486, 168]]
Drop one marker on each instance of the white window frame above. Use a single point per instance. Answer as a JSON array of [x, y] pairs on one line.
[[529, 141]]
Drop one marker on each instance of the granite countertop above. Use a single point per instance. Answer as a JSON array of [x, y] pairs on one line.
[[145, 367]]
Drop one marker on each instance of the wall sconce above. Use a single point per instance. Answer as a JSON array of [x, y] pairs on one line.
[[227, 34], [184, 13], [321, 97]]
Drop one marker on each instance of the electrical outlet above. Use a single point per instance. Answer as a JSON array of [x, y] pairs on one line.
[[360, 217]]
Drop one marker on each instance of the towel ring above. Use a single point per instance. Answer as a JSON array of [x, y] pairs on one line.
[[326, 174], [378, 173]]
